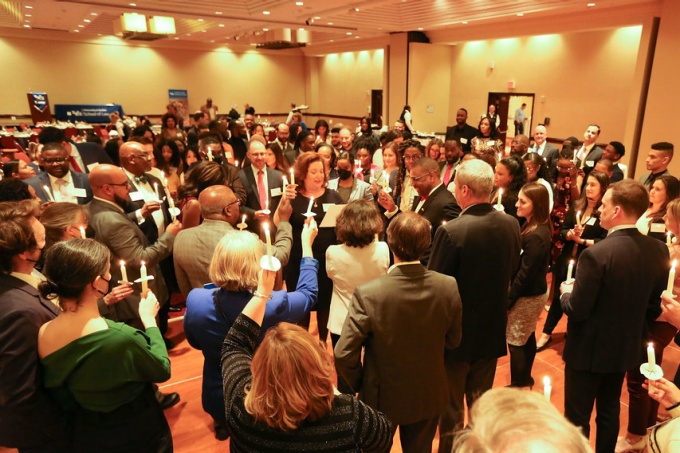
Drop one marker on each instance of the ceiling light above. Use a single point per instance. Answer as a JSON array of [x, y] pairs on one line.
[[28, 15], [266, 13], [330, 23], [520, 14], [265, 29], [27, 26], [301, 29], [81, 26], [349, 33], [204, 31], [76, 31], [590, 5], [356, 10], [317, 17], [87, 21], [219, 13], [332, 40], [221, 25], [200, 20], [464, 22], [420, 28], [133, 4], [28, 7], [299, 3], [93, 14], [357, 37]]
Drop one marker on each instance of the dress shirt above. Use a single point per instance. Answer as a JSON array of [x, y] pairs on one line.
[[583, 153], [538, 149], [149, 194], [520, 115], [62, 188], [264, 179], [403, 263], [79, 160], [620, 227], [31, 279]]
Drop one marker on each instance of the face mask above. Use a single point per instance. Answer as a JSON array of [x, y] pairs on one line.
[[108, 288], [344, 174]]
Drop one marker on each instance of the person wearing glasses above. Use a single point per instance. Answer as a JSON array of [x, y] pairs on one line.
[[59, 182], [402, 192]]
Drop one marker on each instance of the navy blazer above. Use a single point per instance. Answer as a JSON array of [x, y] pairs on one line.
[[80, 181], [616, 292], [91, 153]]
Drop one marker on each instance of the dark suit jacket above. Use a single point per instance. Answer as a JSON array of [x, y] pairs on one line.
[[481, 249], [127, 242], [404, 321], [274, 180], [91, 153], [440, 206], [617, 290], [149, 226], [617, 174], [551, 155], [593, 156], [80, 181], [467, 133], [30, 418], [234, 182], [286, 150]]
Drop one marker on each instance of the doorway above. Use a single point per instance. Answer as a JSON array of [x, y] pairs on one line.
[[506, 106]]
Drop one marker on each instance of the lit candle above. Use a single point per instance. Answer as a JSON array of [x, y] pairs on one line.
[[145, 282], [285, 183], [443, 222], [668, 238], [547, 388], [269, 244], [651, 360], [578, 218], [82, 233], [500, 196], [384, 175], [123, 271], [311, 203], [49, 193], [210, 155], [236, 163], [266, 205], [372, 175], [242, 226], [671, 277], [292, 176], [570, 270], [158, 190]]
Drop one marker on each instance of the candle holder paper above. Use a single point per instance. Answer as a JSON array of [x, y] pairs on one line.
[[652, 373], [270, 263], [241, 226], [309, 214], [499, 207], [140, 279]]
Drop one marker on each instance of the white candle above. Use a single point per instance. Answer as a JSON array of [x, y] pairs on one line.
[[651, 360], [311, 203], [570, 270], [547, 388], [671, 277], [292, 176], [668, 238], [49, 193], [384, 175], [269, 244], [500, 197], [171, 202], [372, 175], [578, 218], [163, 178], [210, 155], [158, 190], [123, 271], [82, 233], [266, 205], [145, 282], [236, 163]]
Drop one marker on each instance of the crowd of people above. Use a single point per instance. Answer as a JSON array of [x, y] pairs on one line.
[[426, 263]]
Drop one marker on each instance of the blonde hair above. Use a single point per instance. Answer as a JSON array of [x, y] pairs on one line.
[[292, 379], [236, 261], [511, 420]]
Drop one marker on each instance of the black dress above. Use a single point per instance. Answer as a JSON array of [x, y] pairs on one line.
[[324, 239]]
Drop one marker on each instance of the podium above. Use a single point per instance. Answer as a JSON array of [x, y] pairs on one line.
[[39, 105]]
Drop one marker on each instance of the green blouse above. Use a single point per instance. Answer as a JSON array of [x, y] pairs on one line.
[[106, 369]]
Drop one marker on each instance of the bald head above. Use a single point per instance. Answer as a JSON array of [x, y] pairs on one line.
[[129, 148], [102, 176], [135, 158], [214, 199]]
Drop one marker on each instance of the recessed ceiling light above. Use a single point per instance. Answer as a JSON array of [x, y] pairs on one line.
[[464, 22], [133, 4], [590, 5], [87, 21], [332, 40], [299, 3], [176, 37], [204, 31], [301, 29], [221, 25], [356, 10], [330, 23], [28, 15], [212, 40], [93, 14], [357, 37], [520, 14], [27, 26], [200, 19], [265, 29], [349, 33], [266, 13], [76, 31], [28, 7], [219, 13], [81, 26], [420, 28], [317, 17]]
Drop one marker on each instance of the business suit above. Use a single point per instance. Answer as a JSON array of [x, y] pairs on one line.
[[194, 247], [464, 135], [91, 153], [617, 174], [127, 242], [608, 309], [440, 206], [149, 226], [481, 249], [80, 181], [286, 150], [252, 204], [404, 321], [591, 159], [30, 418]]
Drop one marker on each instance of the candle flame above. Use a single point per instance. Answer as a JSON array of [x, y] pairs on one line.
[[122, 263], [143, 263]]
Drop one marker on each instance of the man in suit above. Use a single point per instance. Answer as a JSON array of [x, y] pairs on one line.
[[481, 249], [608, 306], [59, 182], [519, 145], [462, 131], [433, 202], [263, 186], [194, 247], [548, 152], [403, 321], [614, 151], [453, 152], [281, 142], [658, 159], [589, 153], [83, 157], [210, 144], [237, 141], [31, 420]]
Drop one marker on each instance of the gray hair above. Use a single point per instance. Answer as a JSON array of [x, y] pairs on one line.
[[477, 175]]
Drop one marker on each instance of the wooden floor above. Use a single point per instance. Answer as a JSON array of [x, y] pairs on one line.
[[192, 428]]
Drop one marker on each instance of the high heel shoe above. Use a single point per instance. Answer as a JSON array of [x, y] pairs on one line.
[[623, 445]]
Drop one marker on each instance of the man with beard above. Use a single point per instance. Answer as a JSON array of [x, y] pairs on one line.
[[462, 131], [453, 151]]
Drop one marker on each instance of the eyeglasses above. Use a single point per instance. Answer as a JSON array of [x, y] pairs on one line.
[[412, 157], [144, 156], [238, 202], [418, 178], [122, 184], [55, 160]]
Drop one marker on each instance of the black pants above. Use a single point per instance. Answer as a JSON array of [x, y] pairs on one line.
[[417, 437], [521, 363], [582, 390], [519, 127], [343, 385]]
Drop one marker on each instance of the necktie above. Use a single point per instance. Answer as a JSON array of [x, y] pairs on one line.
[[74, 164], [63, 191], [261, 190], [447, 174], [143, 179]]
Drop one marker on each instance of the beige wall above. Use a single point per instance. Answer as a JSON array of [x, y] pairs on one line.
[[578, 78], [429, 78]]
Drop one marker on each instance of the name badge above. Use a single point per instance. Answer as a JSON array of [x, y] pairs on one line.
[[591, 221], [590, 163], [658, 228], [92, 166], [229, 155], [136, 196], [76, 192], [327, 206], [463, 140], [276, 192]]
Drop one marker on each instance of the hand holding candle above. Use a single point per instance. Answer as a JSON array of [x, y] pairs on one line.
[[82, 233], [292, 176], [309, 212], [268, 261], [570, 270], [243, 225], [671, 277], [123, 271], [144, 278]]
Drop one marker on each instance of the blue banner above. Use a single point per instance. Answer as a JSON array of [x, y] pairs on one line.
[[90, 113], [178, 94], [39, 101]]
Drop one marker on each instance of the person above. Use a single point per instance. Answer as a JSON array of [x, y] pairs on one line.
[[575, 237], [434, 149], [402, 194], [520, 117], [494, 117], [18, 169], [170, 129], [322, 131], [237, 141], [31, 419], [603, 341], [202, 176], [366, 170], [169, 161], [479, 235], [276, 160], [359, 258], [406, 330], [83, 157], [407, 118], [366, 130], [311, 194], [506, 419], [211, 312], [658, 159], [613, 152], [544, 149], [462, 131], [664, 437], [301, 411], [486, 141], [519, 145], [346, 138], [59, 182], [589, 153], [665, 189], [100, 370], [509, 176], [210, 109], [453, 153], [281, 146], [528, 288], [304, 143], [330, 159], [348, 184], [538, 171]]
